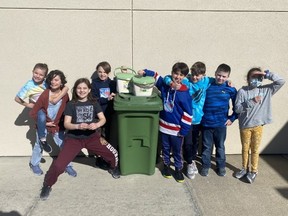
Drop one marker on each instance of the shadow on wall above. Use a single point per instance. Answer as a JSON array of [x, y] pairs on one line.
[[278, 144], [23, 119]]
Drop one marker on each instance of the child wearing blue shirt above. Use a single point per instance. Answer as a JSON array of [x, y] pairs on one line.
[[175, 118], [216, 118]]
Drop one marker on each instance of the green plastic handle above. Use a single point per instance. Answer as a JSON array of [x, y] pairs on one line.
[[124, 69]]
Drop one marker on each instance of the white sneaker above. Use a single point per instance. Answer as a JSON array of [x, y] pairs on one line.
[[190, 171], [194, 167]]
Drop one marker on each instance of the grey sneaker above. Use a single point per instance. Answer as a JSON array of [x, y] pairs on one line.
[[241, 173], [251, 177], [36, 169], [45, 191], [71, 171], [195, 170], [190, 171], [204, 172], [221, 172]]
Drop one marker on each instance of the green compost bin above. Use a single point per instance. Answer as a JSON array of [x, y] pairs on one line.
[[138, 124]]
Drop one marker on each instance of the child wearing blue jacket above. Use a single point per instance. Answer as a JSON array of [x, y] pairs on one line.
[[175, 118]]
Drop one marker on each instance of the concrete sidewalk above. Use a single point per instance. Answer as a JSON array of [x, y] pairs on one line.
[[95, 192]]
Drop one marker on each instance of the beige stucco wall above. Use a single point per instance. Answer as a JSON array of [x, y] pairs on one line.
[[74, 36]]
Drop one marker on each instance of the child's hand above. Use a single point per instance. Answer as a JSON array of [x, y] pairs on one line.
[[179, 135], [257, 99], [229, 83], [92, 126], [103, 141], [83, 126], [228, 122], [50, 124], [141, 72], [111, 96], [175, 86]]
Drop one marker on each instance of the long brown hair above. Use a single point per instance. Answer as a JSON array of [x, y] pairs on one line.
[[75, 97]]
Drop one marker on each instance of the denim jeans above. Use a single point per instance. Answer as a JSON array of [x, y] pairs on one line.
[[37, 151], [218, 137], [41, 124]]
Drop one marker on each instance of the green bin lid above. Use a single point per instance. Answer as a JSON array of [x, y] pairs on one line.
[[124, 76], [129, 102], [143, 80]]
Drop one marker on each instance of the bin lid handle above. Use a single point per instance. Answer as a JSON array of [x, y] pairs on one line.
[[124, 69]]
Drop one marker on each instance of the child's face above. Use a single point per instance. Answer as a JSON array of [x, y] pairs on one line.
[[102, 74], [82, 91], [221, 77], [177, 77], [56, 83], [195, 78], [38, 75], [256, 75]]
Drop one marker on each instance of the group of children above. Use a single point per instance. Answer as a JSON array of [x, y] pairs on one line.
[[192, 104], [75, 124], [206, 101]]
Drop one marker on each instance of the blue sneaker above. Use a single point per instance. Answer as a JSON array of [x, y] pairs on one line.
[[71, 171], [204, 172], [36, 169], [221, 172]]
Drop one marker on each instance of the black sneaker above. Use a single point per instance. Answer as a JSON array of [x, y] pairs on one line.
[[45, 191], [179, 176], [45, 146], [166, 172], [115, 172]]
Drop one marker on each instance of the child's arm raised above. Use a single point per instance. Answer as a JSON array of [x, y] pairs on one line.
[[64, 91]]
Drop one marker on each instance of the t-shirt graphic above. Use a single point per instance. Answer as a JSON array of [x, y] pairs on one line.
[[104, 92], [84, 114]]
